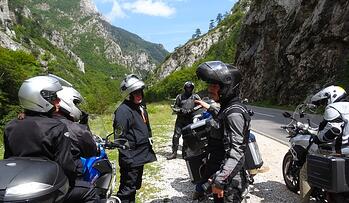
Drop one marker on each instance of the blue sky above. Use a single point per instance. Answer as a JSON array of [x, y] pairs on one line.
[[168, 22]]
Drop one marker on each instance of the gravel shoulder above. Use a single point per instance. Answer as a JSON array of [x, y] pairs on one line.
[[176, 186]]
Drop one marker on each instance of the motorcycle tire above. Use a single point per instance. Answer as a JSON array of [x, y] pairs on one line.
[[290, 173]]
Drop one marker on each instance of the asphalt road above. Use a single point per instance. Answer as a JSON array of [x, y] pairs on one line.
[[268, 122]]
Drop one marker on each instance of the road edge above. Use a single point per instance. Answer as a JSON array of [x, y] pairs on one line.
[[271, 137]]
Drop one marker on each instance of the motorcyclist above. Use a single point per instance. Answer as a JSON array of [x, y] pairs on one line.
[[131, 122], [39, 135], [183, 106], [83, 144], [333, 133], [228, 142]]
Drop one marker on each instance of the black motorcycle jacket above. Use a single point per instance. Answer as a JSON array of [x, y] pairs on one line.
[[235, 121], [83, 144], [40, 136], [184, 105], [132, 124]]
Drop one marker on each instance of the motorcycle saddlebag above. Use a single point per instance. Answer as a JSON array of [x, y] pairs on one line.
[[328, 172], [196, 166], [253, 158]]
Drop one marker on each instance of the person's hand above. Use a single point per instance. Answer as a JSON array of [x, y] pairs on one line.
[[202, 103], [218, 191]]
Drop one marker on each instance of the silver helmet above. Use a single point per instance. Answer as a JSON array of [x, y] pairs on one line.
[[70, 98], [130, 84], [38, 93]]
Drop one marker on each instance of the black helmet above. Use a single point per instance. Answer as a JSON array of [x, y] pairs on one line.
[[189, 84], [227, 76]]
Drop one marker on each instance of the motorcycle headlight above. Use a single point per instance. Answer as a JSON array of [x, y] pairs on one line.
[[26, 188]]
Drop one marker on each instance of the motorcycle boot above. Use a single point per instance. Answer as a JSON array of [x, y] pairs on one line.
[[172, 156]]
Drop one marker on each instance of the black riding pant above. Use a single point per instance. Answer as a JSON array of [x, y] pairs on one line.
[[130, 182], [180, 123]]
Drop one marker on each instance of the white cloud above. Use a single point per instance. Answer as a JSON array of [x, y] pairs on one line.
[[115, 12], [150, 7]]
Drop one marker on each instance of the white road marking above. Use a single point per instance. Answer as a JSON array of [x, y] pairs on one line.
[[263, 114]]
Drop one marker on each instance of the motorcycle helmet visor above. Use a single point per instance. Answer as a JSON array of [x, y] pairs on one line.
[[49, 96]]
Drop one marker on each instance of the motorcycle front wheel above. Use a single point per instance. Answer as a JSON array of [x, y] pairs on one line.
[[290, 172]]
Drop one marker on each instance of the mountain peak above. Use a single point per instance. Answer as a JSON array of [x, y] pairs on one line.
[[88, 7]]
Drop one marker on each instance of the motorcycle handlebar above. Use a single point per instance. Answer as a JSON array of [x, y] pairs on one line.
[[111, 145]]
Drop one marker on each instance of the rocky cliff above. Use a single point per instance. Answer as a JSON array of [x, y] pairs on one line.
[[288, 48], [188, 54]]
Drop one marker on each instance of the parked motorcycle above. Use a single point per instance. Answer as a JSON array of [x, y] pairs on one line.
[[33, 179], [301, 144]]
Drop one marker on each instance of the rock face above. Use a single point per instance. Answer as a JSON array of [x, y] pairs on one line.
[[4, 12], [188, 54], [7, 42], [56, 39], [288, 48]]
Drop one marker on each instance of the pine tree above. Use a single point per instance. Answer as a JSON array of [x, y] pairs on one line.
[[211, 26], [198, 32], [219, 18]]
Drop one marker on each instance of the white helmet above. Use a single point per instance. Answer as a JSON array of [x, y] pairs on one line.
[[328, 95], [130, 84], [69, 99], [38, 93]]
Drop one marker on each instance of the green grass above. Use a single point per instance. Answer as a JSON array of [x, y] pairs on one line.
[[1, 151]]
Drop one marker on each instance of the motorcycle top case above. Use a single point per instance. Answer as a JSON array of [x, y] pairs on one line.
[[198, 129], [195, 136], [328, 172], [253, 158], [25, 179]]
